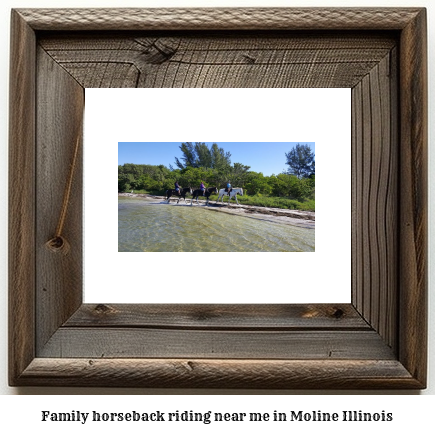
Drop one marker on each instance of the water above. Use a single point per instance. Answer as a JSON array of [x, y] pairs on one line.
[[158, 227]]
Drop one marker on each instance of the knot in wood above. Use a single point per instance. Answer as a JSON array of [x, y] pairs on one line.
[[249, 59], [338, 313], [158, 52], [58, 244], [103, 309]]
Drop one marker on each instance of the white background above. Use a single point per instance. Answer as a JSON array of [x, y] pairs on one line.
[[274, 115], [414, 413]]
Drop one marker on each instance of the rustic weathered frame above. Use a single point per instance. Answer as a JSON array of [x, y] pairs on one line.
[[377, 341]]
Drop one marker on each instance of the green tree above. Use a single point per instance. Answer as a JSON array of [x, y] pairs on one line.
[[300, 161], [203, 155], [220, 159], [200, 155], [145, 182], [238, 174], [190, 177], [123, 182], [278, 185], [188, 157], [132, 169], [257, 184]]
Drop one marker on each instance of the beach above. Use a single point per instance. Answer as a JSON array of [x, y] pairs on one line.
[[305, 219]]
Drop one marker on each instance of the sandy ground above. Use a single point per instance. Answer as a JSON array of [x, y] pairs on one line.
[[305, 219]]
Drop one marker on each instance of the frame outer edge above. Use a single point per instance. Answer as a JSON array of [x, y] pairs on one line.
[[218, 18], [413, 207], [230, 374], [413, 223], [21, 197]]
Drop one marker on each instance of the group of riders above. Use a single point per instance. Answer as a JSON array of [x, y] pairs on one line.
[[228, 188]]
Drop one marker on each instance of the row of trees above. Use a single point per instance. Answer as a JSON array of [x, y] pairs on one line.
[[213, 166]]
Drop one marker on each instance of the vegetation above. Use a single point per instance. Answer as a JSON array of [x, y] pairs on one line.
[[213, 166], [200, 155], [301, 161]]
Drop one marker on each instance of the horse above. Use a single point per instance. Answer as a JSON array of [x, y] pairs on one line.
[[183, 192], [234, 192], [208, 192]]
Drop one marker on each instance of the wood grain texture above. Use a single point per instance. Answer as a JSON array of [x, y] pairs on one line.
[[379, 342], [229, 374], [234, 60], [375, 198], [95, 342], [413, 188], [220, 317], [21, 197], [220, 18], [59, 277]]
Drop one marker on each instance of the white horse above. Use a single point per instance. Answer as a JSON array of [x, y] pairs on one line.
[[234, 193]]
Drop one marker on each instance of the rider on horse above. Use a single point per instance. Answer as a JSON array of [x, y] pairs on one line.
[[228, 187], [202, 188], [177, 188]]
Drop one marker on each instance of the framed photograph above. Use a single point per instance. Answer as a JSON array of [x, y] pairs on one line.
[[191, 249], [376, 341]]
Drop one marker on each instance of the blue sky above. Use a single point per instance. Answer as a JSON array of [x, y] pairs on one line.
[[266, 157]]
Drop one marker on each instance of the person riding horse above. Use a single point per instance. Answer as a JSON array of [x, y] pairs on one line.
[[177, 188], [202, 191], [228, 188], [181, 193]]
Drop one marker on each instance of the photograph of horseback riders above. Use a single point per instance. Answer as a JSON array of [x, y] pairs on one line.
[[216, 197]]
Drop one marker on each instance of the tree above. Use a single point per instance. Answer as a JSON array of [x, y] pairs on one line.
[[188, 157], [123, 182], [192, 177], [203, 155], [220, 159], [300, 161], [200, 155], [239, 174], [257, 184], [278, 184]]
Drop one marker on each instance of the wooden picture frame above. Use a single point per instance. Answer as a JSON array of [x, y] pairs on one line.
[[376, 342]]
